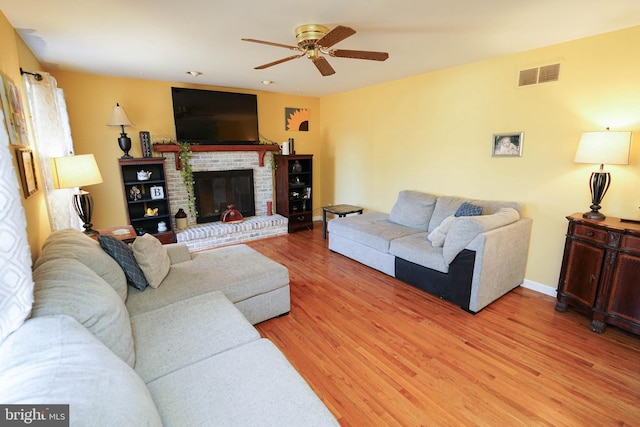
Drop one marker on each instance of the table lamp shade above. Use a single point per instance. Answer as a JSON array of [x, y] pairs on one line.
[[78, 171], [75, 171], [119, 117], [611, 148]]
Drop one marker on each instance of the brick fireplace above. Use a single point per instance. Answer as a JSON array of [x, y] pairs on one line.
[[205, 236]]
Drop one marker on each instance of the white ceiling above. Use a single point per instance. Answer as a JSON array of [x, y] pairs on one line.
[[162, 39]]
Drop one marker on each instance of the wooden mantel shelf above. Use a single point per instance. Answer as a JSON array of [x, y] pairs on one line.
[[173, 148]]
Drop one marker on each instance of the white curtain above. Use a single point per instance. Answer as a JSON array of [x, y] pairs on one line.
[[52, 139]]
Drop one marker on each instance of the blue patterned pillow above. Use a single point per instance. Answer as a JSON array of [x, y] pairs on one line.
[[123, 255], [468, 209]]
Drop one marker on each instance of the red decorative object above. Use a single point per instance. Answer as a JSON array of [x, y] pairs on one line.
[[231, 215]]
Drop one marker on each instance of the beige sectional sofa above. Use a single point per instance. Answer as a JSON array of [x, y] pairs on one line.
[[182, 354], [469, 260]]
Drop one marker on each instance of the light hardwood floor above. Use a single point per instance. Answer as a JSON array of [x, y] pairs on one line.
[[380, 352]]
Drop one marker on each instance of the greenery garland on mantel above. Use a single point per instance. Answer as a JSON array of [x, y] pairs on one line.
[[186, 172]]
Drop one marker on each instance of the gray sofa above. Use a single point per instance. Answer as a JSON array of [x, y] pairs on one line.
[[468, 260], [184, 353]]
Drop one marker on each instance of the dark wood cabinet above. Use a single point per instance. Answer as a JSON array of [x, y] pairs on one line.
[[600, 273], [145, 197], [294, 189]]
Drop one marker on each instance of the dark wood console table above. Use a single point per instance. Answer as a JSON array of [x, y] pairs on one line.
[[600, 273]]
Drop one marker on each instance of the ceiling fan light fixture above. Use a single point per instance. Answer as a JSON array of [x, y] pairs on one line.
[[309, 34]]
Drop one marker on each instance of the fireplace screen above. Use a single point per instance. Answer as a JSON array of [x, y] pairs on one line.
[[215, 190]]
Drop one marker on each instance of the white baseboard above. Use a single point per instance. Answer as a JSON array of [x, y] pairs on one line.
[[539, 287]]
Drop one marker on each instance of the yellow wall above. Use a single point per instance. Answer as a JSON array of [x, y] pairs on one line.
[[433, 133], [13, 55], [90, 99]]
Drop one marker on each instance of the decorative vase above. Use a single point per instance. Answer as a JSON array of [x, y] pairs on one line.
[[231, 215]]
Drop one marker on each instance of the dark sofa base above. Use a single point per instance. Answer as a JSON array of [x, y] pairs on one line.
[[454, 286]]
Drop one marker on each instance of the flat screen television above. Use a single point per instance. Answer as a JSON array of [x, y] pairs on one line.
[[213, 117]]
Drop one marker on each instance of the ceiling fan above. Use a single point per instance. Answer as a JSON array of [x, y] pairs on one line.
[[314, 40]]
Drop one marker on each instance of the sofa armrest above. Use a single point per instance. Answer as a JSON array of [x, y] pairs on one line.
[[178, 252], [501, 259]]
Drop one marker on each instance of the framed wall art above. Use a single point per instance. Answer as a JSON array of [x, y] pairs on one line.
[[507, 144], [296, 119], [27, 171], [14, 115]]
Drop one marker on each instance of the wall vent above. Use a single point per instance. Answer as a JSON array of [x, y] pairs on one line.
[[528, 77], [544, 74], [549, 73]]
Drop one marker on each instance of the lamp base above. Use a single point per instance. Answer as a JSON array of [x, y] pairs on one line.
[[599, 184], [125, 145], [83, 203], [593, 215]]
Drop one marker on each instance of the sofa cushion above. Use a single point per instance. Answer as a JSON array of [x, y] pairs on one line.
[[413, 209], [239, 272], [66, 286], [122, 253], [152, 258], [468, 209], [418, 250], [73, 244], [372, 229], [253, 385], [192, 330], [465, 229], [55, 360], [445, 206]]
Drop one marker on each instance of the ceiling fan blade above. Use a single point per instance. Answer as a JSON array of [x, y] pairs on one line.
[[279, 61], [359, 54], [286, 46], [323, 66], [336, 35]]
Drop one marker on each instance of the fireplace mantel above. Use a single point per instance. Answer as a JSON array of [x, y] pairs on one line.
[[173, 148]]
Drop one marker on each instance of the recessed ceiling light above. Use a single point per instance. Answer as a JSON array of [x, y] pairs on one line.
[[267, 82], [194, 73]]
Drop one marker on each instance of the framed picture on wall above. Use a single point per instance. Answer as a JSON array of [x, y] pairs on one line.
[[14, 115], [27, 171], [507, 144]]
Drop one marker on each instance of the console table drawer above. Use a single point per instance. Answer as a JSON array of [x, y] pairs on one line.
[[592, 234], [631, 243]]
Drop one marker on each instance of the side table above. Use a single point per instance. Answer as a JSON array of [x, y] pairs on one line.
[[126, 233], [340, 210]]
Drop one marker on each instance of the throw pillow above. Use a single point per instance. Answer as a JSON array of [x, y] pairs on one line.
[[468, 209], [439, 234], [413, 209], [153, 259], [123, 255]]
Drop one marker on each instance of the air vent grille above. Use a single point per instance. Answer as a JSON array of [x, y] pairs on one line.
[[549, 73], [528, 77], [544, 74]]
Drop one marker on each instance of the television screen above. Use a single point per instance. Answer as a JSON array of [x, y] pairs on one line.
[[212, 117]]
